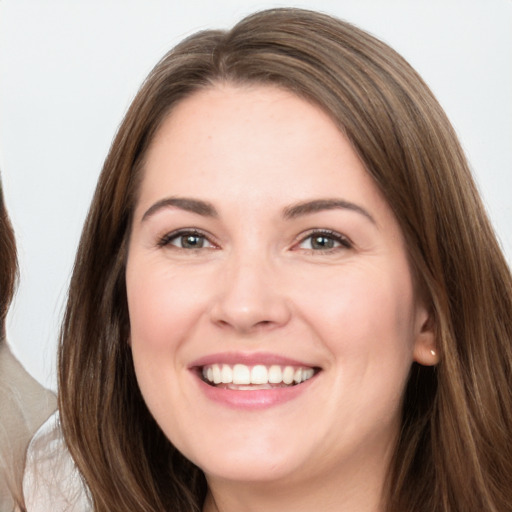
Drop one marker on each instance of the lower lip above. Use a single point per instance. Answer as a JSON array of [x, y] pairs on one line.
[[257, 399]]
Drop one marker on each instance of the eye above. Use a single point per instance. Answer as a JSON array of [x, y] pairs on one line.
[[324, 240], [186, 239]]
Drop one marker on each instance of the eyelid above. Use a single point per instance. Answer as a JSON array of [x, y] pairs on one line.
[[343, 240], [166, 239]]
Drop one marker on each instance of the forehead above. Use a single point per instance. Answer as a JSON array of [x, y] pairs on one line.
[[259, 139], [222, 115], [257, 145]]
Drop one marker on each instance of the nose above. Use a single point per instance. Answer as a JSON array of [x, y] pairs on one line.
[[251, 297]]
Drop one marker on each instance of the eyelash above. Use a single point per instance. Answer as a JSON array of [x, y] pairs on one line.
[[170, 237], [343, 241]]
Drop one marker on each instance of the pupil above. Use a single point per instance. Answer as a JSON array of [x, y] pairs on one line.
[[322, 242], [191, 241]]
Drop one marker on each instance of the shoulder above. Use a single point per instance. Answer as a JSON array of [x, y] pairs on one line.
[[51, 480], [24, 406]]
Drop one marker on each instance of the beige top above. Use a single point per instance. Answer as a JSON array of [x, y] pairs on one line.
[[24, 407], [52, 481]]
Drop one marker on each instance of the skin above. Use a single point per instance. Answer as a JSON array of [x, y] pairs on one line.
[[258, 285]]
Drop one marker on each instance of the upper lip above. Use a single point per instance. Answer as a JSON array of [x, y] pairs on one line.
[[249, 359]]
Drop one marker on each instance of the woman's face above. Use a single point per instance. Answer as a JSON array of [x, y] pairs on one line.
[[273, 313]]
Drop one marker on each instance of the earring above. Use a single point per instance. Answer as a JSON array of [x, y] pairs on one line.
[[432, 351]]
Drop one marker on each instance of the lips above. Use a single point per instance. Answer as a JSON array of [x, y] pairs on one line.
[[252, 381]]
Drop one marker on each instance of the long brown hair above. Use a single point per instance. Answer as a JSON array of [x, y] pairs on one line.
[[9, 476], [8, 263], [454, 452]]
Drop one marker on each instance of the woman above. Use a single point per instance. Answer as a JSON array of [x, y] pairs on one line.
[[287, 292], [24, 404]]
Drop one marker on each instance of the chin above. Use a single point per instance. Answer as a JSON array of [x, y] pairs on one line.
[[250, 459], [251, 470]]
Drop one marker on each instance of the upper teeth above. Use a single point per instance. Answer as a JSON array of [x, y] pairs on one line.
[[240, 374]]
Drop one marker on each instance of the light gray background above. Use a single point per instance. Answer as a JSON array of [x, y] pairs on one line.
[[68, 70]]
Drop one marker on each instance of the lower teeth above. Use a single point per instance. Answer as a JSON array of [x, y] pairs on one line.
[[250, 387]]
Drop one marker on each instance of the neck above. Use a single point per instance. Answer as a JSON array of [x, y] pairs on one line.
[[349, 489]]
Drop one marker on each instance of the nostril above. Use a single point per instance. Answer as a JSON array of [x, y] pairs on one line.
[[264, 324]]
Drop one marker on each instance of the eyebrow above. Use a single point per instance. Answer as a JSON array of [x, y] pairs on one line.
[[206, 209], [319, 205], [183, 203]]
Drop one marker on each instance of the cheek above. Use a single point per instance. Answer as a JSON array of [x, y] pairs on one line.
[[163, 306], [367, 313]]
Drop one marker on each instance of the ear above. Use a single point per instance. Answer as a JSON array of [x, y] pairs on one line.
[[425, 351]]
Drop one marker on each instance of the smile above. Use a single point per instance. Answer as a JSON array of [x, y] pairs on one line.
[[244, 378]]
